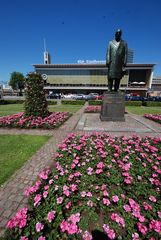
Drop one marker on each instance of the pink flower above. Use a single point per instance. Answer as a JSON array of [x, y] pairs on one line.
[[44, 174], [155, 225], [68, 205], [147, 206], [139, 178], [46, 187], [73, 228], [110, 232], [51, 216], [37, 199], [106, 201], [19, 220], [51, 181], [39, 226], [64, 226], [142, 228], [135, 236], [100, 165], [41, 238], [115, 198], [73, 187], [141, 218], [45, 193], [89, 171], [159, 214], [90, 203], [127, 208], [56, 187], [74, 218], [105, 193], [89, 194], [66, 192], [128, 180], [152, 199], [87, 236], [103, 187], [98, 171], [83, 194], [115, 217], [59, 200], [24, 238], [70, 225], [73, 166]]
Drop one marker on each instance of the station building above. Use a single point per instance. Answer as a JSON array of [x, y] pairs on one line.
[[156, 86], [86, 78]]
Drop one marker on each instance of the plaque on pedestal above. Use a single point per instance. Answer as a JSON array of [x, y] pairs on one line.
[[113, 107]]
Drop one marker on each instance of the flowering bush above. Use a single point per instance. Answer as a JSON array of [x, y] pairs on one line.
[[98, 183], [93, 109], [19, 120], [35, 101], [154, 117]]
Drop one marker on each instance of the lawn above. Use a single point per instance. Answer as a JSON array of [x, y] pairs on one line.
[[10, 109], [15, 151], [141, 110], [65, 108]]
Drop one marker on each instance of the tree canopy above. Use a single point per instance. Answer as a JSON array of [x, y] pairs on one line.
[[17, 80]]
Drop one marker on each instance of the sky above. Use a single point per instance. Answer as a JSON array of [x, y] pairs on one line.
[[75, 30]]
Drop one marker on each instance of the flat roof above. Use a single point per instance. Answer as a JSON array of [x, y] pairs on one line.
[[86, 65]]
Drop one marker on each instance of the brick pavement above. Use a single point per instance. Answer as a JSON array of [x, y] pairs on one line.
[[11, 193]]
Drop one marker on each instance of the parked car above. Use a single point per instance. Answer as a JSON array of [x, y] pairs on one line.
[[88, 97], [79, 97], [99, 97], [68, 96], [53, 96]]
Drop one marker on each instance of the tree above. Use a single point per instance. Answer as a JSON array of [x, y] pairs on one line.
[[35, 101], [17, 80]]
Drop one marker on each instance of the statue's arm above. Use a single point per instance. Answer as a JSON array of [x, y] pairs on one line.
[[126, 54], [108, 55]]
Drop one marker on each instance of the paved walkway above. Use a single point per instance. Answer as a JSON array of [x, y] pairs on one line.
[[11, 193]]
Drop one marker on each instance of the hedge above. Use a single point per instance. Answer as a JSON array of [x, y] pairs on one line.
[[133, 103], [50, 102], [152, 104], [95, 102], [17, 101], [73, 102]]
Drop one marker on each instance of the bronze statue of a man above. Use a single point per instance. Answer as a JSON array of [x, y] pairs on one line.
[[116, 59]]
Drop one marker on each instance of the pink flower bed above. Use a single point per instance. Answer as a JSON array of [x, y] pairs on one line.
[[154, 117], [93, 109], [18, 120], [98, 183]]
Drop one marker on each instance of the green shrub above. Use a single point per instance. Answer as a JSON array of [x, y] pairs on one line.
[[50, 102], [35, 102], [73, 102], [95, 102], [133, 103], [17, 101], [152, 104]]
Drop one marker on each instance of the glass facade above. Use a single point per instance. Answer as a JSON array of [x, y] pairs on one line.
[[73, 72], [84, 77]]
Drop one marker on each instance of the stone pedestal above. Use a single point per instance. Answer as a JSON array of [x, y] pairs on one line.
[[113, 107]]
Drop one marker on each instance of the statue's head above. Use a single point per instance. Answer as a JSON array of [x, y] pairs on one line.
[[118, 34]]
